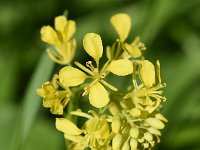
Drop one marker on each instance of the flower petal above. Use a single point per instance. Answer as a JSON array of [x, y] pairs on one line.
[[147, 73], [57, 108], [98, 96], [122, 24], [103, 131], [60, 23], [74, 138], [69, 76], [92, 44], [70, 29], [66, 126], [121, 67], [49, 36], [133, 51]]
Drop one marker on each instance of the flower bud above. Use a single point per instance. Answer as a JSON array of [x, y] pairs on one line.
[[126, 146], [133, 143], [114, 110], [116, 124], [117, 142], [135, 112], [148, 136], [154, 131], [134, 132], [161, 117], [155, 123]]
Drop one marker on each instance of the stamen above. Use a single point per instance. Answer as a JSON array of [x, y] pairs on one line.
[[90, 66], [84, 68], [108, 85]]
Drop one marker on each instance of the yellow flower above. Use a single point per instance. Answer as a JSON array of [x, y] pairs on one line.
[[54, 99], [122, 24], [61, 39], [93, 134], [98, 95], [147, 96]]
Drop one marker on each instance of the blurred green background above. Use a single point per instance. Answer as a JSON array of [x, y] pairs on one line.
[[169, 28]]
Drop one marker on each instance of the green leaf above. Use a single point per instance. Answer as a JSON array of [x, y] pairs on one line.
[[31, 102]]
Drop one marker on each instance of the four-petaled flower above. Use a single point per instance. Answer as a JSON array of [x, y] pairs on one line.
[[98, 96]]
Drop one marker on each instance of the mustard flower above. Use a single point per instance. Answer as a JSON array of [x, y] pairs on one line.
[[121, 120], [98, 95], [61, 39], [94, 134], [54, 99]]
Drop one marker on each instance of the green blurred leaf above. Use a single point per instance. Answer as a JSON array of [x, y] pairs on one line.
[[42, 135], [31, 102]]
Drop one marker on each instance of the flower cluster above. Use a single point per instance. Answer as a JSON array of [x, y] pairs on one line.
[[119, 120]]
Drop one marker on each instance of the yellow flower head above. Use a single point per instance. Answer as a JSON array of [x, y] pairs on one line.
[[128, 119], [54, 99], [95, 132], [61, 39], [98, 95]]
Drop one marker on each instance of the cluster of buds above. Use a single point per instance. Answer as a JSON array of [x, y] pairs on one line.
[[118, 120]]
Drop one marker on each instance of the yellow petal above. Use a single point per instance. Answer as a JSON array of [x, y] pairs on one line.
[[48, 89], [57, 108], [122, 24], [70, 29], [116, 124], [147, 73], [47, 102], [49, 36], [121, 67], [66, 126], [103, 131], [155, 123], [40, 92], [133, 51], [98, 96], [60, 23], [69, 76], [93, 45], [74, 138]]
